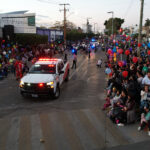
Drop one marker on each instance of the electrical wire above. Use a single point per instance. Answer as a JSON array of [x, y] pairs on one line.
[[129, 8], [49, 1]]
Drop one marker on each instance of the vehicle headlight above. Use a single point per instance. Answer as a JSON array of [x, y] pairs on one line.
[[50, 83], [21, 83]]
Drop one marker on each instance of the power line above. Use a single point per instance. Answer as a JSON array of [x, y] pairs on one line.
[[129, 8]]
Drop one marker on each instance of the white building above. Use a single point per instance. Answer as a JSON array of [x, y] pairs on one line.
[[23, 22]]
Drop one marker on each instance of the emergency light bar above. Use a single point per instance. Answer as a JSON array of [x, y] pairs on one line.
[[51, 65], [48, 59]]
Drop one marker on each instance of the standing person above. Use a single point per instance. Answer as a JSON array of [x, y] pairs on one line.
[[99, 63], [25, 68], [89, 54], [20, 66], [74, 61], [18, 69], [5, 69], [65, 57]]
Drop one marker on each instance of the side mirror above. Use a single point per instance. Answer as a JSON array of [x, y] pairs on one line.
[[62, 72]]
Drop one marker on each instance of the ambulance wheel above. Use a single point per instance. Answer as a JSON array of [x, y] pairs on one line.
[[57, 93]]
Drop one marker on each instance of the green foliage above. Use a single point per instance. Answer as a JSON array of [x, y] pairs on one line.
[[74, 35], [117, 22], [31, 39], [147, 22]]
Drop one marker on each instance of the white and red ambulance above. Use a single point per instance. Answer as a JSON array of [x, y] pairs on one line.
[[45, 78]]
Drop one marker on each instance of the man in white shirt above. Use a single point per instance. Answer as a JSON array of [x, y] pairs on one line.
[[146, 80]]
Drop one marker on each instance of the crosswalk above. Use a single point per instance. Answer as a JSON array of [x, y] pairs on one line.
[[85, 129]]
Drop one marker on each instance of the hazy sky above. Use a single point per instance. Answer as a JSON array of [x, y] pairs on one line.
[[79, 10]]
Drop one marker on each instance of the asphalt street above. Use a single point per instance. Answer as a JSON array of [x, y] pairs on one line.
[[75, 121]]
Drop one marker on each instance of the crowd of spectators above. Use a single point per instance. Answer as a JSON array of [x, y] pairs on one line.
[[15, 57], [128, 87]]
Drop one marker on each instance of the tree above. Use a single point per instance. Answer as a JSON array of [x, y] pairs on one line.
[[147, 22], [42, 27], [75, 35], [57, 25], [60, 25], [71, 26], [117, 22]]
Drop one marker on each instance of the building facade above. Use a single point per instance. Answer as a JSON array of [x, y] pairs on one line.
[[1, 33], [21, 21], [52, 34]]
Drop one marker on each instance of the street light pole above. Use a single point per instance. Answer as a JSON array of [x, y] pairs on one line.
[[94, 28], [112, 21], [140, 26]]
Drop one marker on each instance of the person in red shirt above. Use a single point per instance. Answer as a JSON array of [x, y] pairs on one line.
[[18, 69]]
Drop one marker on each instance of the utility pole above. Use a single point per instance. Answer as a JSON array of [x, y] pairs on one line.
[[65, 20], [94, 28], [88, 25], [140, 26], [112, 21]]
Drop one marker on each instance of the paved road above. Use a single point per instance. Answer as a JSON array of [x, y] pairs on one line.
[[73, 122]]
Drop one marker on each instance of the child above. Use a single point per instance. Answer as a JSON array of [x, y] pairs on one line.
[[99, 63], [110, 95], [115, 99]]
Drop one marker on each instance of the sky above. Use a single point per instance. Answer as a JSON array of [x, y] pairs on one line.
[[48, 11]]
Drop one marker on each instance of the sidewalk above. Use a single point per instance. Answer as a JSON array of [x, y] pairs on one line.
[[138, 146]]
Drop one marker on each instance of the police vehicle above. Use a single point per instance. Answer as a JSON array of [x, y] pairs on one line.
[[45, 78]]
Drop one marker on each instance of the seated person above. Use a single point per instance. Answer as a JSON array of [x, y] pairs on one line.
[[145, 120], [115, 99], [117, 114], [130, 109], [123, 97], [110, 95], [145, 97]]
